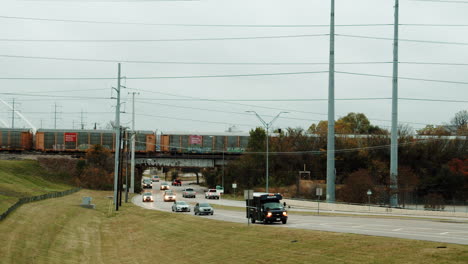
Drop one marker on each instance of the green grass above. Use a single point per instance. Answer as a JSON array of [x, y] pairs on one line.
[[59, 231], [26, 178]]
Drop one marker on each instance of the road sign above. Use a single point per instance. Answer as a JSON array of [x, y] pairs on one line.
[[248, 194], [318, 191], [234, 185]]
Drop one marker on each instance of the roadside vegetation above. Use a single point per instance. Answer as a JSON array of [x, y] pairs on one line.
[[60, 231], [432, 171], [26, 178]]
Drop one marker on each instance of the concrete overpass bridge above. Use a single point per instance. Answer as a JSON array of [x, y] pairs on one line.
[[185, 160]]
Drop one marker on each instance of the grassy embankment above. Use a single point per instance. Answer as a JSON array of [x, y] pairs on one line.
[[26, 178], [60, 231]]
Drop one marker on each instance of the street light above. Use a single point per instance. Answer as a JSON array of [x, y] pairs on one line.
[[267, 126], [369, 193]]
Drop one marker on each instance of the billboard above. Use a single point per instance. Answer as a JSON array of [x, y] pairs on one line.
[[70, 137]]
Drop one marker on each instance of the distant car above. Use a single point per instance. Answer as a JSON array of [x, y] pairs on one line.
[[177, 182], [147, 197], [203, 208], [164, 186], [180, 206], [169, 196], [147, 183], [189, 193], [212, 194], [155, 178]]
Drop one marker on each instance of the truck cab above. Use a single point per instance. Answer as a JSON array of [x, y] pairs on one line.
[[266, 208]]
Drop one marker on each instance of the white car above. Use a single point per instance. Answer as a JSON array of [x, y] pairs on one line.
[[180, 206], [169, 196], [147, 197]]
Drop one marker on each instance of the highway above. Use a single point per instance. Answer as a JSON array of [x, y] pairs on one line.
[[415, 228]]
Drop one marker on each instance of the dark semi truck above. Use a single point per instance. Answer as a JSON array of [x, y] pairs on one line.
[[266, 208]]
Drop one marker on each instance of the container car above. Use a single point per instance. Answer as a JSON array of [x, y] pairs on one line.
[[16, 139]]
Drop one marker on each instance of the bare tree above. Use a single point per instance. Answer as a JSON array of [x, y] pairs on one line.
[[461, 119]]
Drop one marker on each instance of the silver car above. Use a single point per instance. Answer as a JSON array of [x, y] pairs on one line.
[[180, 206], [203, 208]]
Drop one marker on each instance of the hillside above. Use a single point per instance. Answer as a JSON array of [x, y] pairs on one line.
[[26, 178]]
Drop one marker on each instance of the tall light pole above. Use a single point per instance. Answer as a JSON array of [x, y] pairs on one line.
[[394, 134], [132, 166], [331, 175], [267, 127]]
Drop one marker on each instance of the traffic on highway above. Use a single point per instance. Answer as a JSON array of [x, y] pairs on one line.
[[420, 229]]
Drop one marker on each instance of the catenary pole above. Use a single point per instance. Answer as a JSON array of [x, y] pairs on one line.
[[117, 141], [394, 136], [331, 112]]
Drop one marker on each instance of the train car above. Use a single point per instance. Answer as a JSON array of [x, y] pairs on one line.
[[182, 142], [73, 139], [145, 141], [16, 139]]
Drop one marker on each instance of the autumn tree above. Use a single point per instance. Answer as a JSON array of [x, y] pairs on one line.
[[96, 169], [460, 121]]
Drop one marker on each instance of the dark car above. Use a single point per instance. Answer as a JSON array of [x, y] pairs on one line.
[[147, 183]]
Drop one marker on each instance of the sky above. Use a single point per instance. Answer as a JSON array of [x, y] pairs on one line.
[[215, 38]]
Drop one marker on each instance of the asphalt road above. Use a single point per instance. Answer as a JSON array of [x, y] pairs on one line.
[[418, 229]]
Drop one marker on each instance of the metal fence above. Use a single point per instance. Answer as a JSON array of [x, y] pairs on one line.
[[25, 200]]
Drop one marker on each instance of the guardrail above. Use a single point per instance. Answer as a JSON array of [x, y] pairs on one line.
[[25, 200]]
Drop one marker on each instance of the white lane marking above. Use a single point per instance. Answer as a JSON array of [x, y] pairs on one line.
[[444, 233], [398, 229]]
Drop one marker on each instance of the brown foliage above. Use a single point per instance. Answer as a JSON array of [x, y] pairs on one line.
[[356, 186]]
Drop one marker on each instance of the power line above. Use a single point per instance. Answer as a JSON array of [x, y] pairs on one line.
[[160, 77], [225, 63], [402, 78], [226, 25], [184, 25], [263, 107], [269, 99], [187, 62], [194, 120], [433, 100], [162, 40], [406, 40]]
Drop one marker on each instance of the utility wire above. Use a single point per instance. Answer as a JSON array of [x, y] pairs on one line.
[[225, 63], [406, 40], [162, 40], [184, 25], [195, 120], [226, 25], [189, 62], [161, 77], [402, 78]]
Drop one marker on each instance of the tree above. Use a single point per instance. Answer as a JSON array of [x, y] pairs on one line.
[[433, 131], [97, 172], [460, 121]]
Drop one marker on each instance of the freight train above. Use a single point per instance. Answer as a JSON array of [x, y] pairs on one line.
[[73, 140]]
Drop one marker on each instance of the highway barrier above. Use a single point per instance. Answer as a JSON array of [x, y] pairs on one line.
[[25, 200]]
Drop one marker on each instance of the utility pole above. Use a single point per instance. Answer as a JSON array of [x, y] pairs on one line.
[[331, 112], [132, 162], [82, 124], [394, 139], [13, 114], [55, 115], [117, 140]]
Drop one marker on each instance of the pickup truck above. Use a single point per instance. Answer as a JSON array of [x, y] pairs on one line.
[[189, 193], [212, 194]]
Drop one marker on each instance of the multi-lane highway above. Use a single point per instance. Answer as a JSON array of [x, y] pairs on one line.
[[420, 229]]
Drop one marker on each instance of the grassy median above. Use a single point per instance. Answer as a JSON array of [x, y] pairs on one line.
[[59, 231]]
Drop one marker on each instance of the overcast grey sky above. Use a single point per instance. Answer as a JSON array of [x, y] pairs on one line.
[[169, 104]]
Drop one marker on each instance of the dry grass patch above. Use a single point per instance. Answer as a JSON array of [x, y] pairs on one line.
[[59, 231]]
